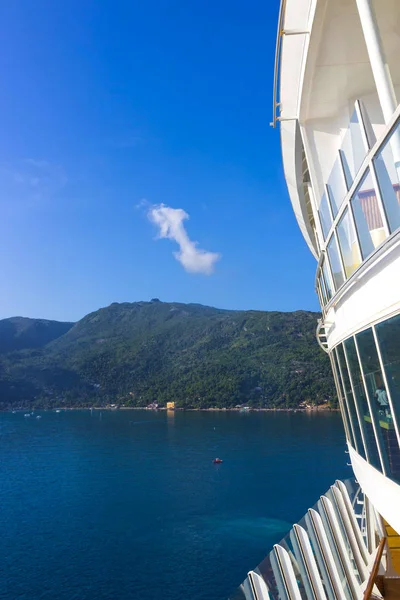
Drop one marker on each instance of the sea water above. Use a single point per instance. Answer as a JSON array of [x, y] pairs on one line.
[[128, 504]]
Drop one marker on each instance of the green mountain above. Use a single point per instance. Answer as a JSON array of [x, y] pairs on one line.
[[196, 355], [19, 333]]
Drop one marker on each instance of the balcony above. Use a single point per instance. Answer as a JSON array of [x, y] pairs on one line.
[[359, 211]]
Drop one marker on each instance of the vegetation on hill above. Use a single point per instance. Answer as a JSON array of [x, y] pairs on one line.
[[198, 356], [19, 333]]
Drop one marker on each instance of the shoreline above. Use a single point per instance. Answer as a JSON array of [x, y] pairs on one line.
[[311, 409]]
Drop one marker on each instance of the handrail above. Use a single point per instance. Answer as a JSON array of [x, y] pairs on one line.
[[374, 572], [319, 335], [381, 251], [369, 158], [277, 57]]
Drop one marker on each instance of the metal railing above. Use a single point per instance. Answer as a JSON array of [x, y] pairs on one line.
[[367, 165], [279, 34]]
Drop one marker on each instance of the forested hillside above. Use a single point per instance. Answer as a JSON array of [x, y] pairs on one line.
[[18, 333], [196, 355]]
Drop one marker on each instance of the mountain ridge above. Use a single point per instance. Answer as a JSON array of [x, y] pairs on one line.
[[198, 356]]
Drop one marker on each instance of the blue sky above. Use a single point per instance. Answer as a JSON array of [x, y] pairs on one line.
[[110, 109]]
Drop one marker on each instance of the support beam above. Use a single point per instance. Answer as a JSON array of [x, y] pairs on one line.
[[379, 65]]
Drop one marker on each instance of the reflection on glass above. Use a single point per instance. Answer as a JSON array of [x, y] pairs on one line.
[[353, 150], [350, 401], [342, 400], [367, 216], [379, 402], [327, 280], [321, 298], [388, 334], [325, 215], [348, 244], [334, 259], [387, 165], [362, 404], [336, 187]]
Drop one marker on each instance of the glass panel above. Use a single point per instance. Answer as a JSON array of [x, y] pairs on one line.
[[367, 216], [327, 280], [348, 244], [325, 215], [378, 401], [350, 401], [362, 404], [388, 334], [319, 292], [342, 400], [336, 187], [336, 266], [353, 149], [387, 165], [322, 290]]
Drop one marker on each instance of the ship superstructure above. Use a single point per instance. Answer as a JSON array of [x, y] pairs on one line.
[[336, 100]]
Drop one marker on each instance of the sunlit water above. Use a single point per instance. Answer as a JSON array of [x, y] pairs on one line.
[[128, 505]]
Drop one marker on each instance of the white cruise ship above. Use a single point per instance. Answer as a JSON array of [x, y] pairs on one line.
[[336, 101]]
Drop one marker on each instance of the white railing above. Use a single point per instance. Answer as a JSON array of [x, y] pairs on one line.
[[277, 61], [368, 165]]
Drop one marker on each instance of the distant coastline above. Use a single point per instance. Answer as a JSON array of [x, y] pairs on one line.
[[311, 409]]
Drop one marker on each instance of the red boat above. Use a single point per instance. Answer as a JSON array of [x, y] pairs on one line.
[[217, 461]]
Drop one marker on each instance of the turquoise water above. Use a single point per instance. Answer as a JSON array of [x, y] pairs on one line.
[[128, 505]]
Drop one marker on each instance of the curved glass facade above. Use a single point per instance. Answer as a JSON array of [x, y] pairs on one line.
[[367, 373], [360, 207]]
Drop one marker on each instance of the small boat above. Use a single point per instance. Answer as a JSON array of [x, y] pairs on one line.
[[38, 417], [217, 461], [27, 414]]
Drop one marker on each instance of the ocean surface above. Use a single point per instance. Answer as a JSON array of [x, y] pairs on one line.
[[128, 505]]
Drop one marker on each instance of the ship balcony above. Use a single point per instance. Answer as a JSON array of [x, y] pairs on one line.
[[359, 211]]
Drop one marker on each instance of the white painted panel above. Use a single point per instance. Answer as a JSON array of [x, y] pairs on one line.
[[258, 586], [284, 574], [293, 47], [291, 145], [297, 14], [308, 566], [381, 491], [374, 297]]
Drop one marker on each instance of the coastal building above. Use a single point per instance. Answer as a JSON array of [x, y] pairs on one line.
[[170, 405], [336, 100]]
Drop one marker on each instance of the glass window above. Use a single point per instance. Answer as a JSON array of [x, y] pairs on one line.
[[388, 334], [327, 280], [367, 216], [336, 186], [387, 165], [336, 265], [322, 290], [325, 215], [319, 292], [348, 244], [378, 401], [362, 404], [353, 150], [355, 427], [341, 396]]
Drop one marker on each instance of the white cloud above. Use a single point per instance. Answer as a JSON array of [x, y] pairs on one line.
[[170, 223]]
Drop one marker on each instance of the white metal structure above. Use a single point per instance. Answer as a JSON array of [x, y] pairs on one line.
[[326, 557], [336, 100]]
